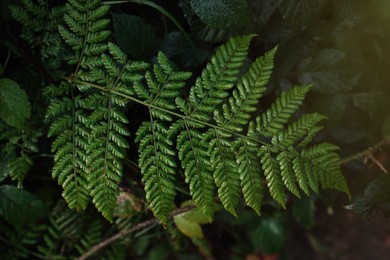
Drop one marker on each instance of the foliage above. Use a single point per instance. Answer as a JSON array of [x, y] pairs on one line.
[[234, 131]]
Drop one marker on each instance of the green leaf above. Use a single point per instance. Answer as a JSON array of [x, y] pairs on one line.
[[18, 206], [260, 12], [300, 13], [189, 223], [222, 14], [175, 46], [325, 72], [189, 228], [196, 215], [376, 199], [333, 106], [270, 236], [15, 108], [135, 36], [303, 211]]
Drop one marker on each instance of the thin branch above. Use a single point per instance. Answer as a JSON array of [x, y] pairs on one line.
[[123, 233], [385, 141]]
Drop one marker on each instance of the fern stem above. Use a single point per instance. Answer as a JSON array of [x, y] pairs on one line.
[[165, 110], [161, 10], [74, 155], [84, 43]]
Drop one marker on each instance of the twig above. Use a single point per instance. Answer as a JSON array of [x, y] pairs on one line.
[[126, 232], [367, 152], [378, 163]]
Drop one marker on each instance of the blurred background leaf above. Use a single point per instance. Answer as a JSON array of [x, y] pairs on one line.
[[19, 207], [15, 108], [135, 37]]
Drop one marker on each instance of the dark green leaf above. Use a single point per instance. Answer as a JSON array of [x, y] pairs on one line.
[[222, 13], [175, 46], [260, 12], [376, 199], [300, 13], [333, 106], [18, 206], [14, 105], [323, 70], [367, 100], [303, 211], [135, 36], [348, 132], [270, 236]]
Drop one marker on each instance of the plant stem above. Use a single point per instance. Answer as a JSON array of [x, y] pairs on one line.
[[161, 10], [92, 85], [368, 151], [123, 233], [3, 67]]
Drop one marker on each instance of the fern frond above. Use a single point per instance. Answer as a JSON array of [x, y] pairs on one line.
[[249, 170], [323, 159], [272, 174], [84, 32], [40, 29], [17, 149], [299, 130], [89, 153], [195, 160], [65, 225], [156, 151], [70, 147], [32, 16], [224, 166], [158, 166], [285, 160], [105, 153], [108, 130], [164, 85], [92, 236], [19, 167], [274, 119], [235, 113], [24, 240], [218, 77]]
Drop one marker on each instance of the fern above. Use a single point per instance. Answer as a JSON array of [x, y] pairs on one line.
[[19, 145], [69, 145], [22, 240], [107, 125], [91, 237], [209, 91], [83, 33], [212, 131], [40, 29], [157, 160]]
